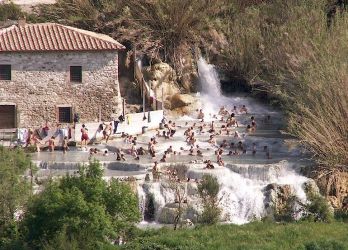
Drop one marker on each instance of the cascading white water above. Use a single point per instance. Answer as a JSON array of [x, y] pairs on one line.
[[209, 79], [243, 195]]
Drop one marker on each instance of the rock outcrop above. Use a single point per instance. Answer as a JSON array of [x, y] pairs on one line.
[[161, 76], [181, 100], [277, 198], [333, 183]]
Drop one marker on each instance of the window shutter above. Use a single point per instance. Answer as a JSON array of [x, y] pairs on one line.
[[75, 73], [5, 72]]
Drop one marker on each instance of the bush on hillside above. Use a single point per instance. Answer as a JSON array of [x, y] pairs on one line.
[[208, 190], [318, 209]]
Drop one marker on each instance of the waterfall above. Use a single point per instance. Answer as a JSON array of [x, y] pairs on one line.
[[244, 179], [209, 79]]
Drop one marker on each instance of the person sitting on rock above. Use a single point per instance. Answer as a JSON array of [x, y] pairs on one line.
[[170, 149], [187, 133], [248, 129], [209, 165], [141, 151], [212, 140], [200, 115], [243, 109], [199, 153], [232, 121], [164, 158], [224, 144]]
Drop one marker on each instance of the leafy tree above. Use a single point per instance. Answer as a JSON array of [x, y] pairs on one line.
[[82, 209], [14, 191], [208, 190]]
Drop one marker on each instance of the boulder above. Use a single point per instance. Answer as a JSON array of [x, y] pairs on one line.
[[168, 213], [181, 100], [276, 197]]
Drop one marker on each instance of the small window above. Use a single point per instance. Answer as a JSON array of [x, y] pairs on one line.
[[5, 72], [64, 115], [75, 73]]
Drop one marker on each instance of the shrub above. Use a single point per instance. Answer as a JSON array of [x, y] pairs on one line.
[[208, 190], [318, 209]]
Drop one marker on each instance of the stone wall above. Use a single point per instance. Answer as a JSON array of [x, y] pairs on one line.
[[41, 83]]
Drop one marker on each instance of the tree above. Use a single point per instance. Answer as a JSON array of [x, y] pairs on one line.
[[14, 190], [208, 190], [83, 209]]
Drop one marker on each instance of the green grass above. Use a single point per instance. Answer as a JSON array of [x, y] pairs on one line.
[[258, 235]]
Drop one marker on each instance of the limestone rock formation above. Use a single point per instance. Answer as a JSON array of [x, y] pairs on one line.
[[333, 183], [161, 76], [277, 197]]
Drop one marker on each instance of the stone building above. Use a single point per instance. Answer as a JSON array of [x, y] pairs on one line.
[[50, 72]]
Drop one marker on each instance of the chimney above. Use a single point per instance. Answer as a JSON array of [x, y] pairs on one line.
[[22, 22]]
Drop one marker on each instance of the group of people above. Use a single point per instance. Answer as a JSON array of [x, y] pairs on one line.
[[37, 139]]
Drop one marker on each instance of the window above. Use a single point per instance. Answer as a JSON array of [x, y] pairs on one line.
[[5, 72], [75, 73], [64, 115]]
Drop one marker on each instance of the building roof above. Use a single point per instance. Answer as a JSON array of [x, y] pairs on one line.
[[43, 37]]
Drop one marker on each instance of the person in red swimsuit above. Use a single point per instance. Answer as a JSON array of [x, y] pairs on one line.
[[84, 135]]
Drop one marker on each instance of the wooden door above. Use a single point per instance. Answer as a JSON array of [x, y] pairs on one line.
[[7, 116]]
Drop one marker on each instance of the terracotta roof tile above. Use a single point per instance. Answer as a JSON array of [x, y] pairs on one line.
[[53, 37]]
